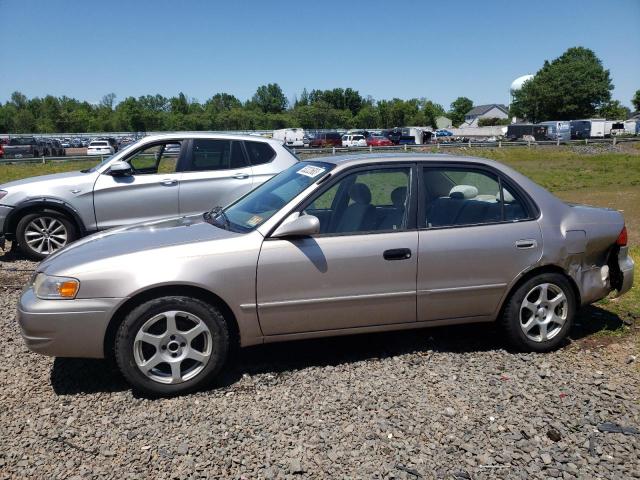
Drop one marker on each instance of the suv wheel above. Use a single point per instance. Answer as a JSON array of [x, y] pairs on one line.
[[172, 345], [539, 313], [41, 234]]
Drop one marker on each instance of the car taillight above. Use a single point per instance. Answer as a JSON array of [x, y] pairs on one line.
[[622, 238]]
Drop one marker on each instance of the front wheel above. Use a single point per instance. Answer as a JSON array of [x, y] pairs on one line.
[[43, 233], [539, 314], [172, 345]]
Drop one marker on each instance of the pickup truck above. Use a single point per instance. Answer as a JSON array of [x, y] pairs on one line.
[[20, 147]]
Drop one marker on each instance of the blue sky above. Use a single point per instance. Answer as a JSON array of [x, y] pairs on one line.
[[439, 50]]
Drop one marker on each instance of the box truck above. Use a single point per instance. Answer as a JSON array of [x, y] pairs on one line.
[[558, 130], [291, 137]]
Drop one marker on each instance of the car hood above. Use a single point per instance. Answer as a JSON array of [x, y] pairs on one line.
[[66, 178], [135, 238]]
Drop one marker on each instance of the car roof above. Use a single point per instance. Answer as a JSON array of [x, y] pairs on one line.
[[373, 158], [209, 135]]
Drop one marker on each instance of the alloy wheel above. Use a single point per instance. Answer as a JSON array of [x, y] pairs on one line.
[[172, 347], [45, 235], [543, 312]]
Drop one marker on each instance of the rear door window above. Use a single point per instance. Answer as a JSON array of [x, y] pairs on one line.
[[461, 196], [212, 154]]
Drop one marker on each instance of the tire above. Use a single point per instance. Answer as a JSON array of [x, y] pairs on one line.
[[534, 324], [59, 233], [145, 336]]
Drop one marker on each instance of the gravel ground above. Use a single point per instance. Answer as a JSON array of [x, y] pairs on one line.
[[441, 403]]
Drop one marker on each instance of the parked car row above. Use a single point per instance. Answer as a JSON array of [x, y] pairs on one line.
[[225, 240]]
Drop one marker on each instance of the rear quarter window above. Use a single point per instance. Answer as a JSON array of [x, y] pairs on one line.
[[259, 152]]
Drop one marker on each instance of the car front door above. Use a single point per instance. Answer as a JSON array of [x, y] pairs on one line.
[[478, 233], [359, 271], [216, 173], [149, 193]]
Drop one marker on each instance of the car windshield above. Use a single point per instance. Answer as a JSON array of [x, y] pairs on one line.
[[258, 206]]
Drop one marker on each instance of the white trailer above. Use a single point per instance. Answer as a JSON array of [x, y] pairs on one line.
[[291, 137], [631, 127], [421, 134], [598, 127]]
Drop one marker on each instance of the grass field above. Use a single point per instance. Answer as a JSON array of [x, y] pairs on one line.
[[602, 178]]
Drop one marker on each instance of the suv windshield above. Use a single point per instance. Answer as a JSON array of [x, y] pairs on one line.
[[261, 204]]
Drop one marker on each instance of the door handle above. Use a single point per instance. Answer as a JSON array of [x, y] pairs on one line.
[[240, 175], [168, 181], [527, 243], [397, 254]]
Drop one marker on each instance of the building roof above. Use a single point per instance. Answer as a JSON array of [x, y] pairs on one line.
[[482, 109]]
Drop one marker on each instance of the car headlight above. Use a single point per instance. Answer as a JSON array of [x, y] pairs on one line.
[[3, 193], [48, 287]]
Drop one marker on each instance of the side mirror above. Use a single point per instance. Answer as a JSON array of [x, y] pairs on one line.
[[298, 226], [120, 169]]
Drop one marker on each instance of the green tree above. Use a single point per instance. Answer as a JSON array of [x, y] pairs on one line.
[[108, 101], [459, 107], [636, 100], [614, 110], [574, 85], [367, 117], [492, 122], [270, 98], [130, 116]]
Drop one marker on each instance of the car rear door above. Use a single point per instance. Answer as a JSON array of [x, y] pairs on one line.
[[478, 233], [150, 193], [216, 172], [360, 271]]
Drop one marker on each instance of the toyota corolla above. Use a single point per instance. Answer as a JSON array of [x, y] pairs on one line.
[[333, 246]]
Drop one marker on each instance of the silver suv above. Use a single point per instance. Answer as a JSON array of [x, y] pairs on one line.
[[159, 176]]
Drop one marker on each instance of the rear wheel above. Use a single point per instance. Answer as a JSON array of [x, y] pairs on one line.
[[172, 345], [539, 313], [43, 233]]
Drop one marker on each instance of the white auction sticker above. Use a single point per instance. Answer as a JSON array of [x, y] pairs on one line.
[[311, 171]]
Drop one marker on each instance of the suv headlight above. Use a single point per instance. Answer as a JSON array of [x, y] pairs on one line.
[[3, 193], [48, 287]]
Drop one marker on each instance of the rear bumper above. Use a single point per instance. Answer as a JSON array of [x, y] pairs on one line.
[[625, 264], [65, 328]]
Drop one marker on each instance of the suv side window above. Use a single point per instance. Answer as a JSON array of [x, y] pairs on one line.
[[365, 201], [259, 152], [212, 154], [465, 196], [154, 159]]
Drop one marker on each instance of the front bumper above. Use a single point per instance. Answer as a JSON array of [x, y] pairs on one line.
[[65, 328], [4, 213]]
